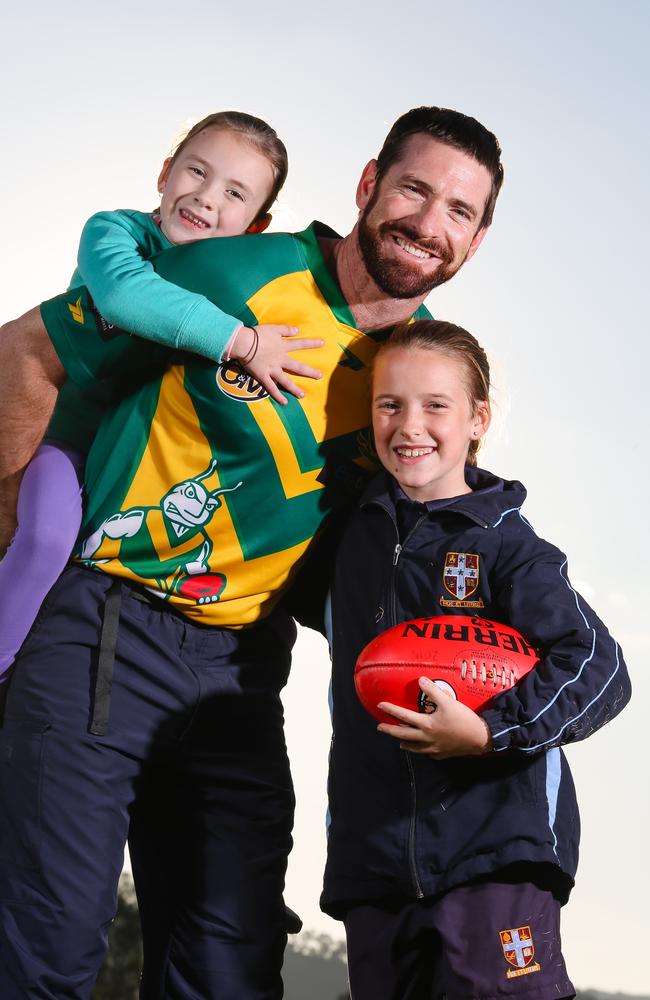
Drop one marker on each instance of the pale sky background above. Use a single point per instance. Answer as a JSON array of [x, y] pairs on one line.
[[92, 100]]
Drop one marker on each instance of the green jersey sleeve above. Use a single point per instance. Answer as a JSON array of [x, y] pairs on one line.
[[114, 263]]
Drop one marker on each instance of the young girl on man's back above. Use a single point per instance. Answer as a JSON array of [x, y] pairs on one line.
[[221, 181], [454, 835]]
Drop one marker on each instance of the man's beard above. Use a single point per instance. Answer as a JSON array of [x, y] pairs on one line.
[[398, 278]]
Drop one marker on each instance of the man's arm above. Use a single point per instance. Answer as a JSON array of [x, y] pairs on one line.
[[30, 377]]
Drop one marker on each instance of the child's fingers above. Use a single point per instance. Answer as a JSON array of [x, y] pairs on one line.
[[280, 329], [290, 333], [404, 714], [427, 748], [401, 732], [289, 386], [435, 693], [304, 344], [275, 394], [297, 368], [272, 388]]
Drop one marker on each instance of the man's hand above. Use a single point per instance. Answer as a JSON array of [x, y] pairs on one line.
[[272, 362], [451, 730]]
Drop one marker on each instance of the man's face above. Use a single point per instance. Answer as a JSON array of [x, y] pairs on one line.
[[420, 222]]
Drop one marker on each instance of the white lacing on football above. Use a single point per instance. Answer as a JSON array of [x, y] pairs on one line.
[[487, 673]]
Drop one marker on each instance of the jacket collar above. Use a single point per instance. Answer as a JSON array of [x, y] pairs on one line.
[[490, 499]]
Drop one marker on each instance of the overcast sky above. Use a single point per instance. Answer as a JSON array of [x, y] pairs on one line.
[[91, 104]]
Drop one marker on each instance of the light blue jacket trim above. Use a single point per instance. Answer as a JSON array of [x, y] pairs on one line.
[[553, 776], [329, 628], [511, 510]]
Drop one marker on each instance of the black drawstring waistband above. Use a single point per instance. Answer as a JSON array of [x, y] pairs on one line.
[[106, 660]]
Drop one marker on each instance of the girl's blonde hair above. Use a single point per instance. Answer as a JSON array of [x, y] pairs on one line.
[[454, 342]]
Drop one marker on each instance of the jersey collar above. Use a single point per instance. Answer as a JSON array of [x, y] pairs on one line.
[[327, 284]]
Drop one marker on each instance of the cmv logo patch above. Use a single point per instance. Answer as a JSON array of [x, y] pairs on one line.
[[237, 383]]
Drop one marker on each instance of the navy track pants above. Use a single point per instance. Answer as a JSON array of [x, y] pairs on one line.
[[192, 768]]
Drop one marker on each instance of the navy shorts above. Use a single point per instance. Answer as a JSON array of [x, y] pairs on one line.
[[188, 760], [481, 941]]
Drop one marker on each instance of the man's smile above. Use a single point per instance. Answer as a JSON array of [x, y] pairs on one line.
[[412, 249]]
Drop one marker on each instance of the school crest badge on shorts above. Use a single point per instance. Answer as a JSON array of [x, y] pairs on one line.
[[460, 578], [519, 951]]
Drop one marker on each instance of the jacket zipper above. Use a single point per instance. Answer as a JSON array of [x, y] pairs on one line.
[[393, 621], [392, 611], [415, 878], [397, 551]]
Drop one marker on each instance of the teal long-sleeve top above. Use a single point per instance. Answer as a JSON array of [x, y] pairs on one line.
[[114, 262]]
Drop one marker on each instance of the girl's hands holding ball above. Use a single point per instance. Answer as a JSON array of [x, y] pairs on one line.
[[449, 730]]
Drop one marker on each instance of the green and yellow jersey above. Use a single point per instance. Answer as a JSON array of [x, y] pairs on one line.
[[199, 486]]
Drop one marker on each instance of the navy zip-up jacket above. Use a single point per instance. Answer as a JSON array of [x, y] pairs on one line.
[[407, 825]]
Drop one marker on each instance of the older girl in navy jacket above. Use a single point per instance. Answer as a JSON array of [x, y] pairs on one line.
[[454, 835]]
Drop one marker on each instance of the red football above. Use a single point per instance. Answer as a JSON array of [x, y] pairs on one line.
[[204, 588], [471, 658]]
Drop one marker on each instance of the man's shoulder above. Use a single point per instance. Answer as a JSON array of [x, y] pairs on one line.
[[242, 264]]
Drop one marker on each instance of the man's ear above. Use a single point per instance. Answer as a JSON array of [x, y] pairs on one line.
[[260, 224], [476, 242], [162, 177], [366, 185]]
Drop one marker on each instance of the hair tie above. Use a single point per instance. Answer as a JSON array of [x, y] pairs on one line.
[[253, 351]]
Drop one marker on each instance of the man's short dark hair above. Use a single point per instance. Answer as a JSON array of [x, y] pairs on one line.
[[454, 129]]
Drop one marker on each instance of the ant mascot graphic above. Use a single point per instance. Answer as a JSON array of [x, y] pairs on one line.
[[180, 519]]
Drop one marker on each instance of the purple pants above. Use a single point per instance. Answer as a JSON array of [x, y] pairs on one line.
[[49, 515], [487, 940]]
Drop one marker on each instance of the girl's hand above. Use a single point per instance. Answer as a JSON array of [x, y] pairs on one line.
[[272, 361], [451, 730]]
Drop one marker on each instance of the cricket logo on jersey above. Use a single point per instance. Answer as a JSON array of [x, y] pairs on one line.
[[236, 382], [181, 519], [460, 578], [519, 951]]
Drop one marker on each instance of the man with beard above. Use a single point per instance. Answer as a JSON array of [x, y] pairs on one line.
[[145, 701]]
